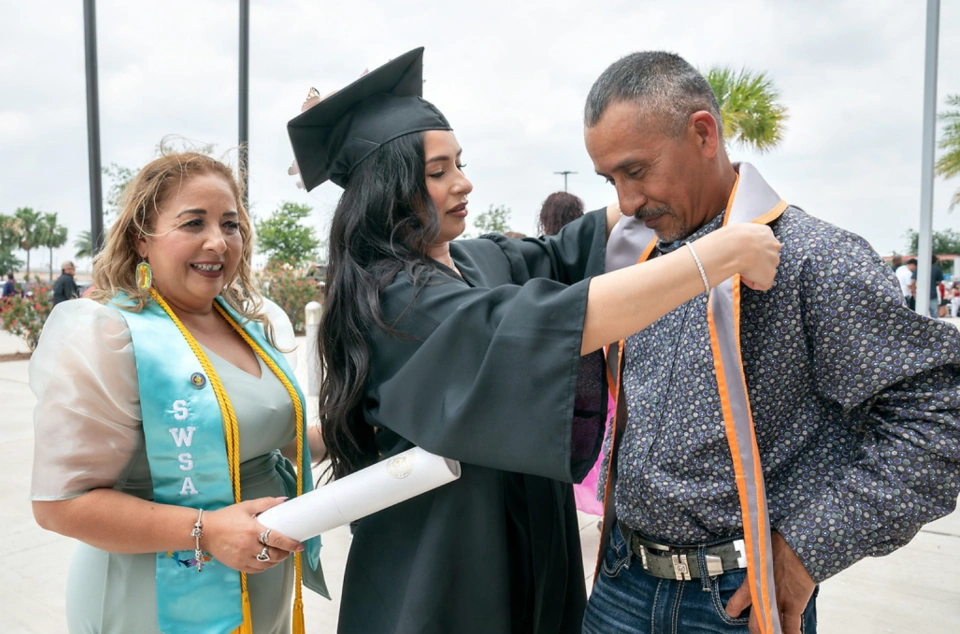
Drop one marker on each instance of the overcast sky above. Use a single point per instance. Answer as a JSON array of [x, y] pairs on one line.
[[511, 76]]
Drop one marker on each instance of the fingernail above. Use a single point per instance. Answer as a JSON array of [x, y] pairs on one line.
[[300, 548], [283, 499]]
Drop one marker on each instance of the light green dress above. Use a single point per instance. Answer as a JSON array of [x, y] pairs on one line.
[[88, 435]]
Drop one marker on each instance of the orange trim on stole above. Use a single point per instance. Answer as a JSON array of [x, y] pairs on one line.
[[757, 466], [733, 194], [613, 388], [613, 444], [771, 215], [647, 251], [738, 470], [766, 218]]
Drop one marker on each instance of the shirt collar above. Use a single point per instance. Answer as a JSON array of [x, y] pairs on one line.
[[668, 247]]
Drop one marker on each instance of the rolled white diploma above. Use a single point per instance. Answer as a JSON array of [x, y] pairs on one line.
[[359, 494]]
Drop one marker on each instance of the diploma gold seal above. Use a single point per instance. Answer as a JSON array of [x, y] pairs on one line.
[[400, 467]]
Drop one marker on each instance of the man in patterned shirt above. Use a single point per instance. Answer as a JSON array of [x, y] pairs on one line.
[[855, 398]]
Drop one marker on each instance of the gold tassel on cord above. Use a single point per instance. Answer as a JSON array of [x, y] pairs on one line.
[[299, 627], [247, 626]]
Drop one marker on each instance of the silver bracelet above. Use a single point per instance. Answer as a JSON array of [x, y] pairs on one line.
[[197, 533], [703, 274]]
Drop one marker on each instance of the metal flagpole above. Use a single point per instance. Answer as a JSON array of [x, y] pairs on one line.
[[925, 243], [244, 96], [93, 124]]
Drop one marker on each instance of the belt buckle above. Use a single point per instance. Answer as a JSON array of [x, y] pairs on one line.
[[714, 565], [681, 569], [741, 548]]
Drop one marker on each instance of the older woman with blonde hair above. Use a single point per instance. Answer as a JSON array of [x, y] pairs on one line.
[[162, 405]]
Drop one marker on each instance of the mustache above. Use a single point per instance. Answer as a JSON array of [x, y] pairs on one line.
[[643, 214]]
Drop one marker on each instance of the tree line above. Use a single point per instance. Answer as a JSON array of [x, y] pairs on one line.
[[25, 230]]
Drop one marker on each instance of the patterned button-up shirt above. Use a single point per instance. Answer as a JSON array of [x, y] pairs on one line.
[[855, 398]]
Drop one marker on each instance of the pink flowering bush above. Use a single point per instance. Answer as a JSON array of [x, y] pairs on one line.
[[24, 316]]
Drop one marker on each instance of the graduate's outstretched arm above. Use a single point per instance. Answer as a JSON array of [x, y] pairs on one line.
[[626, 301]]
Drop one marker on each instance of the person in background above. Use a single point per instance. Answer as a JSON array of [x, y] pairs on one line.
[[10, 286], [557, 211], [936, 277], [65, 288], [907, 276]]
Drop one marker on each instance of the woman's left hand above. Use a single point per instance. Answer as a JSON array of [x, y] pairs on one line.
[[232, 536]]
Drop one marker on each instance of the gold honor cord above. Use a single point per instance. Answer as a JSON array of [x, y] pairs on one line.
[[232, 438], [299, 627]]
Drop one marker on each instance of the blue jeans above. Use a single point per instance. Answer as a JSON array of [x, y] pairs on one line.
[[627, 600]]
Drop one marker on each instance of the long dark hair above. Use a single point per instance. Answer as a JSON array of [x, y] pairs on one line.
[[383, 224]]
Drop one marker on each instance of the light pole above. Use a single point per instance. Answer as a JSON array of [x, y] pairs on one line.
[[244, 96], [564, 173], [93, 124], [925, 239]]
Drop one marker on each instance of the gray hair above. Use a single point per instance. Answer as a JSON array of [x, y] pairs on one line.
[[664, 82]]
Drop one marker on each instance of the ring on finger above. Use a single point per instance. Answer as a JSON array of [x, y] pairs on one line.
[[265, 537], [263, 555]]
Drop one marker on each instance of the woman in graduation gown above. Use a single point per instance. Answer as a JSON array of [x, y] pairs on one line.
[[485, 351]]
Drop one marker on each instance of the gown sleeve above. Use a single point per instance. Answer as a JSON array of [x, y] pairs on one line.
[[574, 254], [490, 376], [87, 425]]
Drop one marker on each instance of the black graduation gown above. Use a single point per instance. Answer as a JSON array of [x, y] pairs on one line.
[[490, 374]]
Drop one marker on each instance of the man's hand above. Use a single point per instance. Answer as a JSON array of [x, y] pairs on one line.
[[794, 589]]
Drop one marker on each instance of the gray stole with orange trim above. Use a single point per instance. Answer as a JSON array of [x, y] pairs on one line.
[[752, 200]]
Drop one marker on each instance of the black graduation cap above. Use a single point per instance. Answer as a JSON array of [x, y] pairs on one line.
[[334, 136]]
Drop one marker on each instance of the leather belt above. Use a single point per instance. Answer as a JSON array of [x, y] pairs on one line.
[[683, 564]]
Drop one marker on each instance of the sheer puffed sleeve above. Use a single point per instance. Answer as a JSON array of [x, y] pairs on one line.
[[87, 423], [284, 336]]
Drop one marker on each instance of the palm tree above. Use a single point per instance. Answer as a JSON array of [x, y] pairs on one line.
[[750, 109], [29, 221], [84, 245], [52, 235], [948, 165], [9, 241], [9, 232]]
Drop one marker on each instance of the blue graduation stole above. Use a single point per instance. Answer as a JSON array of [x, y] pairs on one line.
[[187, 454]]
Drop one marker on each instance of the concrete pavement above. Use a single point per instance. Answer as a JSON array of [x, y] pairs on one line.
[[915, 590]]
